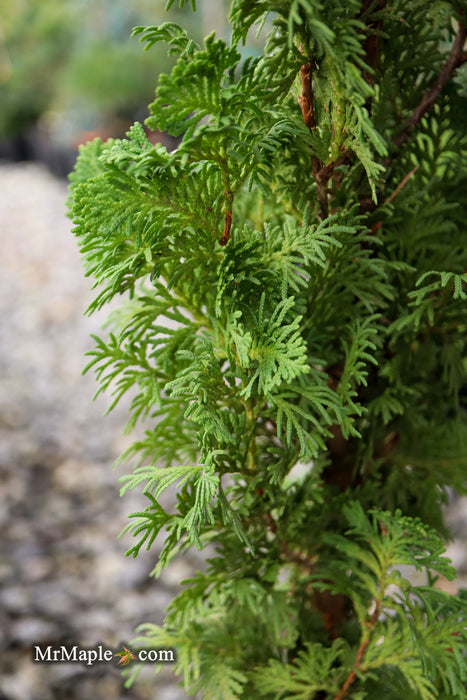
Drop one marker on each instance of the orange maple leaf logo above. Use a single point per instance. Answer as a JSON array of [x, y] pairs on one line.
[[126, 655]]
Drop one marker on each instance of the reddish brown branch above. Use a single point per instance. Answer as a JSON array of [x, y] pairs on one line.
[[307, 106], [401, 185], [306, 99], [453, 61], [227, 226], [228, 212], [353, 674], [372, 42], [358, 657], [327, 171]]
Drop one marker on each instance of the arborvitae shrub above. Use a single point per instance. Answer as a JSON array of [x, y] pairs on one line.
[[294, 336]]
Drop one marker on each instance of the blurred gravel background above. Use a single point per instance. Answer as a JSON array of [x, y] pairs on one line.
[[63, 574]]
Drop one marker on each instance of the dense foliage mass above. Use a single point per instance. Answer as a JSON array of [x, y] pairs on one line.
[[294, 335]]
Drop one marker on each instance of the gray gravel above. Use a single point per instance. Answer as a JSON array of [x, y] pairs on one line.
[[63, 574]]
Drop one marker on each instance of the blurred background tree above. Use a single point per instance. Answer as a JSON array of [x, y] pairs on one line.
[[69, 69], [36, 38]]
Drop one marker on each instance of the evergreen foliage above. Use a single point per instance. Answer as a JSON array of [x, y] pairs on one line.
[[294, 334]]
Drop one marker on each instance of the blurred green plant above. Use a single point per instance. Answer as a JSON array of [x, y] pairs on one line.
[[89, 81], [37, 38], [76, 58]]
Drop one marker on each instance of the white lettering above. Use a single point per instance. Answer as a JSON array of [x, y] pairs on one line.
[[69, 655], [43, 656], [89, 656], [92, 656]]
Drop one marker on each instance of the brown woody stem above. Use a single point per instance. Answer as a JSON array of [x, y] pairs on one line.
[[306, 103], [227, 226], [306, 99], [359, 656], [327, 171], [372, 42], [401, 185]]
